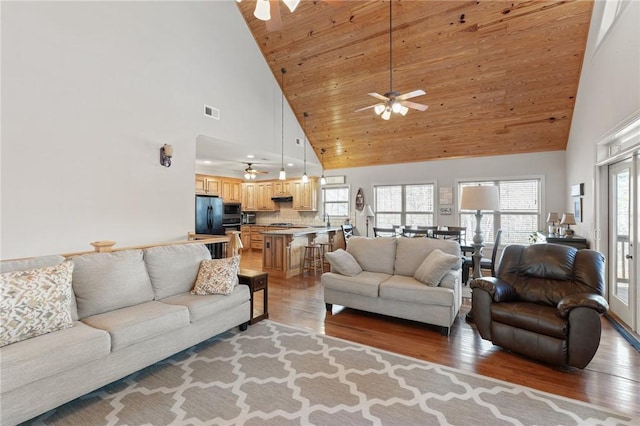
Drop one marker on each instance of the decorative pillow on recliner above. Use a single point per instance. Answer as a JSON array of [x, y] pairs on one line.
[[217, 276], [343, 263], [35, 302], [435, 266]]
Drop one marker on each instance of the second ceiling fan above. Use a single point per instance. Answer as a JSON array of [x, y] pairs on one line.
[[393, 101]]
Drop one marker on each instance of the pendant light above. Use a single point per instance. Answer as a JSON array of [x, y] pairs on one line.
[[305, 178], [323, 180], [283, 174]]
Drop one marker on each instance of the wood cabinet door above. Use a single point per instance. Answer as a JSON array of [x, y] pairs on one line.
[[265, 192], [213, 185], [201, 184], [305, 195], [249, 198], [282, 187]]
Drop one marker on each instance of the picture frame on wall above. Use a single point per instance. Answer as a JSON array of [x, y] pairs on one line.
[[577, 207]]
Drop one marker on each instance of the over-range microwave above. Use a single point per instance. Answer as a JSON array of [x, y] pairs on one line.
[[248, 218]]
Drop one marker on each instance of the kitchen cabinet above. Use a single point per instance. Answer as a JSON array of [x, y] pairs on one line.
[[273, 253], [231, 190], [245, 237], [265, 192], [305, 195], [249, 197], [256, 237], [207, 185], [282, 188]]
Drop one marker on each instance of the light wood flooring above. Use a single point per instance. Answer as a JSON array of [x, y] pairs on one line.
[[612, 379]]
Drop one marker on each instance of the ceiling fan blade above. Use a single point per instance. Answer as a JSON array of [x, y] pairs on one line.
[[275, 23], [369, 107], [379, 96], [410, 95], [414, 105]]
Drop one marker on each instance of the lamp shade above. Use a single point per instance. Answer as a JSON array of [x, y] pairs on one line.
[[366, 211], [552, 218], [568, 219], [479, 197]]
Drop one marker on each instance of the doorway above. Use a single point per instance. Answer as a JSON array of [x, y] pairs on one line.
[[624, 299]]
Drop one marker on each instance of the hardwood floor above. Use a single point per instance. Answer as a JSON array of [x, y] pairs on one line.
[[612, 379]]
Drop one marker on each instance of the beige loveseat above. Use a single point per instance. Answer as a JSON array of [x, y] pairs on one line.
[[131, 308], [386, 283]]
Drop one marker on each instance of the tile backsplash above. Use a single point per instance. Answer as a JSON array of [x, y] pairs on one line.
[[288, 215]]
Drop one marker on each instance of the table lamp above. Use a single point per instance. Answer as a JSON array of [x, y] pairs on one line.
[[552, 218], [568, 219]]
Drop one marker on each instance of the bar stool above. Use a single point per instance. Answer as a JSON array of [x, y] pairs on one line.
[[325, 248], [312, 260]]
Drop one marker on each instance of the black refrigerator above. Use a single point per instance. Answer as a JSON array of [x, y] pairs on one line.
[[209, 215]]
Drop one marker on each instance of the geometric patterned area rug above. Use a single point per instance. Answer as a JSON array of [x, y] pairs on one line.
[[274, 374]]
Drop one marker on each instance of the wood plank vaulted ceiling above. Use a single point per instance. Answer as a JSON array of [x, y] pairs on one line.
[[501, 76]]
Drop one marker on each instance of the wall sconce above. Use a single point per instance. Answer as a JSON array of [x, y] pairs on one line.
[[166, 152]]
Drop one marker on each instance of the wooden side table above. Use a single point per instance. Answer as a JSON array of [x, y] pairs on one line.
[[257, 281]]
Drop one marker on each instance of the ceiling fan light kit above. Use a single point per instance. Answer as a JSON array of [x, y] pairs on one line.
[[394, 102]]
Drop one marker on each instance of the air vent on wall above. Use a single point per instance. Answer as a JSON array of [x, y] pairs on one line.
[[212, 112]]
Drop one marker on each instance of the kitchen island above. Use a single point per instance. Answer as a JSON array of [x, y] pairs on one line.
[[283, 249]]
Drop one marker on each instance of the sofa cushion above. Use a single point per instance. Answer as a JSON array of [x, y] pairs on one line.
[[30, 263], [374, 254], [410, 290], [342, 262], [411, 252], [217, 276], [203, 307], [173, 268], [435, 266], [35, 302], [33, 359], [364, 284], [134, 324], [103, 282]]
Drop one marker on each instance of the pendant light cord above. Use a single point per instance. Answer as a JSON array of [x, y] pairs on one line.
[[282, 115], [390, 50]]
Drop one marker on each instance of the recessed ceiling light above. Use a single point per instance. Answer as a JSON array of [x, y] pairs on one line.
[[207, 162], [249, 155], [290, 164]]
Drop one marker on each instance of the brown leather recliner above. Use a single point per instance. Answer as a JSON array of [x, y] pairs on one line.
[[545, 302]]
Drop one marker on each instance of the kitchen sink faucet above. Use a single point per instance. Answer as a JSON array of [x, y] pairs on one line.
[[328, 222]]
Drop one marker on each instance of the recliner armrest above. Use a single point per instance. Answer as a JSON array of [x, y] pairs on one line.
[[500, 291], [585, 300]]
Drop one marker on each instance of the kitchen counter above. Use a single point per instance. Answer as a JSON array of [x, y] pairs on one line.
[[283, 248]]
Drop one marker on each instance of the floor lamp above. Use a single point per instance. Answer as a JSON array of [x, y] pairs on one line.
[[478, 198], [367, 213]]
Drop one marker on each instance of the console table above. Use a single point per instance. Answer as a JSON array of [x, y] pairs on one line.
[[573, 241]]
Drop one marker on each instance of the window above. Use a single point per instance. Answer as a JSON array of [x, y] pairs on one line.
[[409, 205], [519, 214], [335, 201]]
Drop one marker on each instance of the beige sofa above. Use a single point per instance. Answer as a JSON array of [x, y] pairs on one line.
[[386, 284], [132, 308]]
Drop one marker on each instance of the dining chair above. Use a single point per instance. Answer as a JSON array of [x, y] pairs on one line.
[[347, 232], [383, 232], [446, 234], [428, 228], [463, 233], [485, 263], [416, 233]]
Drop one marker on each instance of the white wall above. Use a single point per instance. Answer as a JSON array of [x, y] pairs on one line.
[[445, 172], [608, 93], [91, 91]]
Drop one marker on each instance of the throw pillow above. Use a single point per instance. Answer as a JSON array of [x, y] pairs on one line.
[[217, 276], [343, 263], [35, 302], [434, 266]]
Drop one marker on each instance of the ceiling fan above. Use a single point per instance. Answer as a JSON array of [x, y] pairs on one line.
[[251, 173], [269, 11], [393, 101]]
